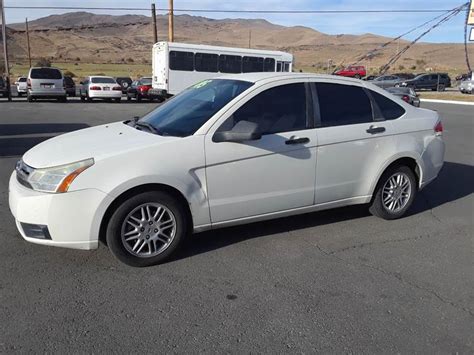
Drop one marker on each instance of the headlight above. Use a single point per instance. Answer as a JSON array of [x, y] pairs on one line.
[[54, 179]]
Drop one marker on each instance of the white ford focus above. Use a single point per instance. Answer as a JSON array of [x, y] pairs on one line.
[[232, 150]]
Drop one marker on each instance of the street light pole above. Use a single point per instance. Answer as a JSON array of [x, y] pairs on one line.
[[5, 51]]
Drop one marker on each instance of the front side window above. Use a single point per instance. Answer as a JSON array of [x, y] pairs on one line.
[[181, 60], [279, 109], [187, 112], [343, 105], [206, 62], [230, 63]]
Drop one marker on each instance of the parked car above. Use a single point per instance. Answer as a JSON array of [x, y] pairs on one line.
[[237, 149], [70, 86], [45, 83], [406, 94], [353, 71], [21, 85], [3, 88], [435, 82], [124, 82], [386, 81], [463, 77], [467, 86], [100, 87], [139, 89]]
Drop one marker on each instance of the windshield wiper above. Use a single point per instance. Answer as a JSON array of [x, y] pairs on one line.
[[148, 126]]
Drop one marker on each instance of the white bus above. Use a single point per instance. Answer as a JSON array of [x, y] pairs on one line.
[[177, 66]]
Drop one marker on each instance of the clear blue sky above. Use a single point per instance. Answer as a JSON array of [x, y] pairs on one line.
[[383, 24]]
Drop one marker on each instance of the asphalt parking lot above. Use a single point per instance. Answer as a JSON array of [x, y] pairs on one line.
[[334, 281]]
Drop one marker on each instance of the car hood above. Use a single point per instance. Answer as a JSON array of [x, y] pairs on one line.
[[97, 142]]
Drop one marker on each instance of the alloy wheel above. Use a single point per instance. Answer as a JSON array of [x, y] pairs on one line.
[[396, 192]]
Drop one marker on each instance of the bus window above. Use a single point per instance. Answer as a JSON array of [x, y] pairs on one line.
[[278, 66], [181, 60], [287, 66], [252, 64], [269, 64], [230, 63], [206, 62]]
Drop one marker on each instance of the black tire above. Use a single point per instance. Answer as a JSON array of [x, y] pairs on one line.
[[441, 87], [139, 98], [83, 98], [357, 76], [30, 98], [62, 99], [114, 228], [129, 98], [118, 100], [377, 207]]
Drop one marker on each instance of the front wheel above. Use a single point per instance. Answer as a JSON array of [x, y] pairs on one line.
[[394, 193], [147, 228]]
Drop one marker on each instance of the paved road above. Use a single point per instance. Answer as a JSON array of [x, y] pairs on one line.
[[334, 281]]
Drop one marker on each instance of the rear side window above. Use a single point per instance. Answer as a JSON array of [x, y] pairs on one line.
[[390, 109], [46, 73], [279, 109], [181, 60], [343, 105], [252, 64], [230, 63], [206, 62]]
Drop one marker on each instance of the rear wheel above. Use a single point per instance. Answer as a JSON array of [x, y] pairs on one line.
[[117, 100], [147, 228], [441, 87], [394, 193], [30, 98], [357, 76], [139, 98]]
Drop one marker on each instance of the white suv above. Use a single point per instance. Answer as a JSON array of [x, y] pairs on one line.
[[226, 151]]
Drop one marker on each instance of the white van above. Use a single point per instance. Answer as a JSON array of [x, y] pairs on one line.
[[46, 83], [177, 66]]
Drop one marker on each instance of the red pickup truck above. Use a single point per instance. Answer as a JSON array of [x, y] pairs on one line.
[[353, 71]]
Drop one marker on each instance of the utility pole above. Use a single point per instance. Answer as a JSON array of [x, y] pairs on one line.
[[250, 37], [5, 51], [155, 30], [28, 41], [170, 22]]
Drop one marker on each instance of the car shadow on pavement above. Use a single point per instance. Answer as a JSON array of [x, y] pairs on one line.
[[16, 139], [454, 182]]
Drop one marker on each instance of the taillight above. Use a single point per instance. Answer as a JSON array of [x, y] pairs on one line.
[[406, 98], [95, 88], [438, 128], [28, 83], [143, 88], [117, 88]]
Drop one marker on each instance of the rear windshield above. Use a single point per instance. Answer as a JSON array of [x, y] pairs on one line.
[[146, 81], [22, 80], [103, 81], [46, 73]]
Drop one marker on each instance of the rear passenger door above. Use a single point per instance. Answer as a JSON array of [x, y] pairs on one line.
[[353, 142]]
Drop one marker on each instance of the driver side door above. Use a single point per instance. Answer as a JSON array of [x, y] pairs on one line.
[[274, 173]]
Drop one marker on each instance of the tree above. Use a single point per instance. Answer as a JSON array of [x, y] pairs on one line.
[[43, 62]]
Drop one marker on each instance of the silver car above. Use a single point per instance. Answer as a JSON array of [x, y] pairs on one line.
[[46, 83], [467, 86], [386, 81]]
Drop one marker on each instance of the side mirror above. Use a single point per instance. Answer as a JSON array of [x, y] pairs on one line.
[[242, 131]]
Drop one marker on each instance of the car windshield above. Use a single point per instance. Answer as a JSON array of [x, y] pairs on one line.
[[184, 114], [46, 73], [145, 81], [103, 81]]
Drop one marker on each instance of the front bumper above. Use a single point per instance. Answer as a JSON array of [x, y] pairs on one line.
[[71, 218]]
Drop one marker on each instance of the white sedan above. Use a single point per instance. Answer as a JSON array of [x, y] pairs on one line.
[[226, 151], [100, 87]]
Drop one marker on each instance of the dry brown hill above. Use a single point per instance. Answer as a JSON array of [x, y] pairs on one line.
[[105, 38]]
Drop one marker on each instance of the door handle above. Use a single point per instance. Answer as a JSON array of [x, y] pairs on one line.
[[295, 140], [375, 130]]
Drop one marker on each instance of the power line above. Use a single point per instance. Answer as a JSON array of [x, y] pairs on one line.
[[231, 11]]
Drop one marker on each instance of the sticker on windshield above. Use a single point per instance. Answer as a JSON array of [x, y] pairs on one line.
[[201, 84]]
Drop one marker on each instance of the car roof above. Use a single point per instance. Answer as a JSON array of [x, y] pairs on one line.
[[101, 76], [275, 76]]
